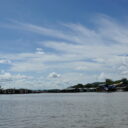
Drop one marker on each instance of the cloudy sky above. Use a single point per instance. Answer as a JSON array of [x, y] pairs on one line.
[[48, 44]]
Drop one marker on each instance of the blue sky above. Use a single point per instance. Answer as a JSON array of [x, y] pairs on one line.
[[59, 43]]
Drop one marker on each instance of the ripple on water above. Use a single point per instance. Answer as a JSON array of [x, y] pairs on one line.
[[76, 110]]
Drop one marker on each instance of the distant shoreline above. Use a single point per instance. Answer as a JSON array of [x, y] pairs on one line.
[[107, 86], [26, 91]]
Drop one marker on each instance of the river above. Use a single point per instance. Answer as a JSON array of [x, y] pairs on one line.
[[64, 110]]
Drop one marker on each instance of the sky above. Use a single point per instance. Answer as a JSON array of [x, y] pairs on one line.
[[47, 44]]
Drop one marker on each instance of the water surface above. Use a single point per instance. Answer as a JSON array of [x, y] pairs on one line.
[[64, 110]]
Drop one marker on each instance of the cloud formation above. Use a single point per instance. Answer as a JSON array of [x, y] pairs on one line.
[[87, 54], [7, 76], [5, 61], [54, 75]]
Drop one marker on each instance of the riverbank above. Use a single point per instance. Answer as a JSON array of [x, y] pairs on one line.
[[68, 90], [107, 86]]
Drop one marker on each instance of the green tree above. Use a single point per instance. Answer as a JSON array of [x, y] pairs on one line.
[[78, 86], [108, 82], [125, 81]]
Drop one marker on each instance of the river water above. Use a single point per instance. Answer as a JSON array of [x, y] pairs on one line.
[[64, 110]]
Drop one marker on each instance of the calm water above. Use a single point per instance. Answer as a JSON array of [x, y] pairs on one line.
[[75, 110]]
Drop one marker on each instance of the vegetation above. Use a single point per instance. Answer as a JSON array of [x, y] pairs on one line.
[[107, 86], [107, 82]]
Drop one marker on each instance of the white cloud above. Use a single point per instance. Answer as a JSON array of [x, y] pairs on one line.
[[54, 75], [81, 54], [27, 67], [39, 51], [5, 61], [102, 76], [7, 76]]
